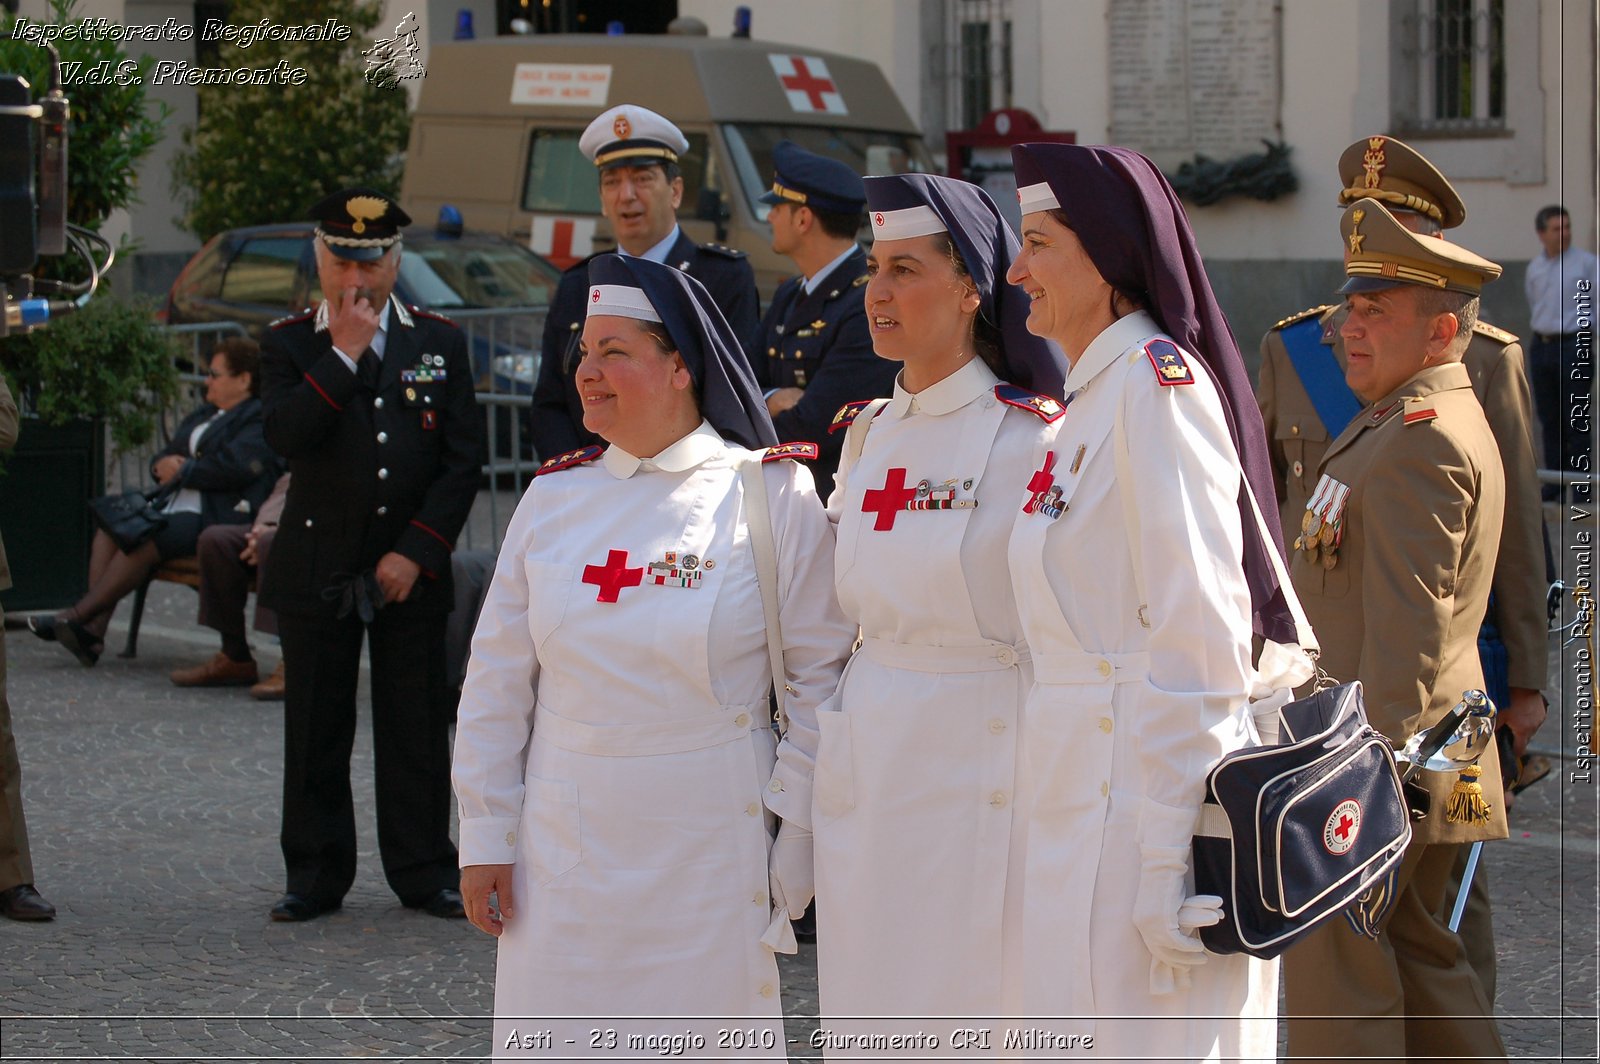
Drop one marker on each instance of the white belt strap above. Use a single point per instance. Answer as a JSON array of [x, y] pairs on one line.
[[759, 517]]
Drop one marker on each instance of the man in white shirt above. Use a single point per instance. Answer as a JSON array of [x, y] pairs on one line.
[[1560, 286]]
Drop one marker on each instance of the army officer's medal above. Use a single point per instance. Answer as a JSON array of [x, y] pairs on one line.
[[1322, 527], [675, 570]]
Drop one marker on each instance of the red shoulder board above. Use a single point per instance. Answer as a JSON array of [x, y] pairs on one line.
[[291, 319], [847, 414], [1168, 360], [423, 312], [1042, 407], [1418, 409], [807, 451], [570, 459]]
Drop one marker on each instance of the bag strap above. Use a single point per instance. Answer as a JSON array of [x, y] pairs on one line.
[[161, 491], [758, 515], [855, 437], [1304, 636]]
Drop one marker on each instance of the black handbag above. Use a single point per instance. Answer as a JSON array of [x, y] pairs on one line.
[[132, 517], [1292, 834]]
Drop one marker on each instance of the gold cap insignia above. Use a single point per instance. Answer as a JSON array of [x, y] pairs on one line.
[[622, 127], [364, 209], [1372, 161], [1355, 237]]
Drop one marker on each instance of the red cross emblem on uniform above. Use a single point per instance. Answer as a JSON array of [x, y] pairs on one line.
[[887, 500], [877, 219], [1042, 481], [621, 127], [594, 296], [613, 576]]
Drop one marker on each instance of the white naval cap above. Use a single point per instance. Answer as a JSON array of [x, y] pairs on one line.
[[630, 135]]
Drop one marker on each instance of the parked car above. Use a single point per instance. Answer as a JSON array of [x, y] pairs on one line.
[[258, 274]]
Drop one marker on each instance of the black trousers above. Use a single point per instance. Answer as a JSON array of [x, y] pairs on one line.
[[411, 747]]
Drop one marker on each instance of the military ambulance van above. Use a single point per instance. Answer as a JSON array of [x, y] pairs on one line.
[[496, 128]]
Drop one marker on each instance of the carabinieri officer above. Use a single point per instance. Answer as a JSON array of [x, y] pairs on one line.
[[371, 402], [816, 352], [637, 153]]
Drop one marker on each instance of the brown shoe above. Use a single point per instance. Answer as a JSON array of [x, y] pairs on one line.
[[270, 689], [220, 671]]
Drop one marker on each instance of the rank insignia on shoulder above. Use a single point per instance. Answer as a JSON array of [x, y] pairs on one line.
[[422, 312], [1303, 315], [290, 319], [806, 451], [722, 249], [570, 459], [1419, 409], [1042, 407], [847, 414], [1495, 333], [1170, 367]]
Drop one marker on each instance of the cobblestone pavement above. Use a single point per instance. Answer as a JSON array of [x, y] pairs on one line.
[[154, 813]]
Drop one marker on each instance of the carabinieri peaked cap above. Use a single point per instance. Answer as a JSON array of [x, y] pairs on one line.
[[910, 205], [1381, 253], [1134, 230], [358, 223], [648, 291], [811, 180], [630, 135], [1396, 174]]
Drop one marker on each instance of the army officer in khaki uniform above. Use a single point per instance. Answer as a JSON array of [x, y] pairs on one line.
[[1302, 389], [1394, 559]]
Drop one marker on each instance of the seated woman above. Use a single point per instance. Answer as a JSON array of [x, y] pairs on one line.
[[614, 737], [225, 471]]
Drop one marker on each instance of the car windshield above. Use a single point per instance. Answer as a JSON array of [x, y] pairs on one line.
[[870, 152], [462, 274]]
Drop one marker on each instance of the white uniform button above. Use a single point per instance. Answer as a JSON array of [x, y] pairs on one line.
[[383, 437], [378, 402], [766, 990], [511, 838], [742, 720], [998, 799], [308, 522], [752, 809], [775, 786], [758, 898], [1105, 789], [383, 474], [997, 726], [1006, 656], [382, 510], [1105, 668], [1105, 725]]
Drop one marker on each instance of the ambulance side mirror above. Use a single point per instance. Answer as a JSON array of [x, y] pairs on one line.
[[709, 207]]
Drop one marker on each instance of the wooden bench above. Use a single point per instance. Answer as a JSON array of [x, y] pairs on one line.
[[184, 571]]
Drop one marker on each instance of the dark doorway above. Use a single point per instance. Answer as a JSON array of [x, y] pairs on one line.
[[587, 16]]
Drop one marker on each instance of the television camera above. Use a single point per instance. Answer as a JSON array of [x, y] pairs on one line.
[[33, 205]]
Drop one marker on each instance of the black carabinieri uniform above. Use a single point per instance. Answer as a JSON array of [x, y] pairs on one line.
[[557, 418], [821, 343], [390, 467]]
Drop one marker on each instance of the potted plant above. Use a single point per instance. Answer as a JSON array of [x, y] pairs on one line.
[[108, 367]]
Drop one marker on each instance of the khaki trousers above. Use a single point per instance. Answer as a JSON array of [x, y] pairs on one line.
[[16, 866], [1411, 993]]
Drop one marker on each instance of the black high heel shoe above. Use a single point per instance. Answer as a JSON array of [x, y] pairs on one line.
[[44, 626], [78, 639]]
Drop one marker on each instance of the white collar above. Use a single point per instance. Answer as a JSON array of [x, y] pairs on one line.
[[954, 392], [660, 251], [814, 282], [1109, 346], [701, 444], [400, 312]]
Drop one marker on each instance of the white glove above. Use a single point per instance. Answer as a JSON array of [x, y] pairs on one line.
[[1156, 908], [792, 877]]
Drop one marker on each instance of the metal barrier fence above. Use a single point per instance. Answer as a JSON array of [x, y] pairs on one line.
[[505, 397]]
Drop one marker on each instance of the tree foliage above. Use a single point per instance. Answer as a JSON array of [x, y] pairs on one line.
[[263, 153]]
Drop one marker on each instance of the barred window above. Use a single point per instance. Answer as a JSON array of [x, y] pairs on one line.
[[1455, 55], [969, 71]]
